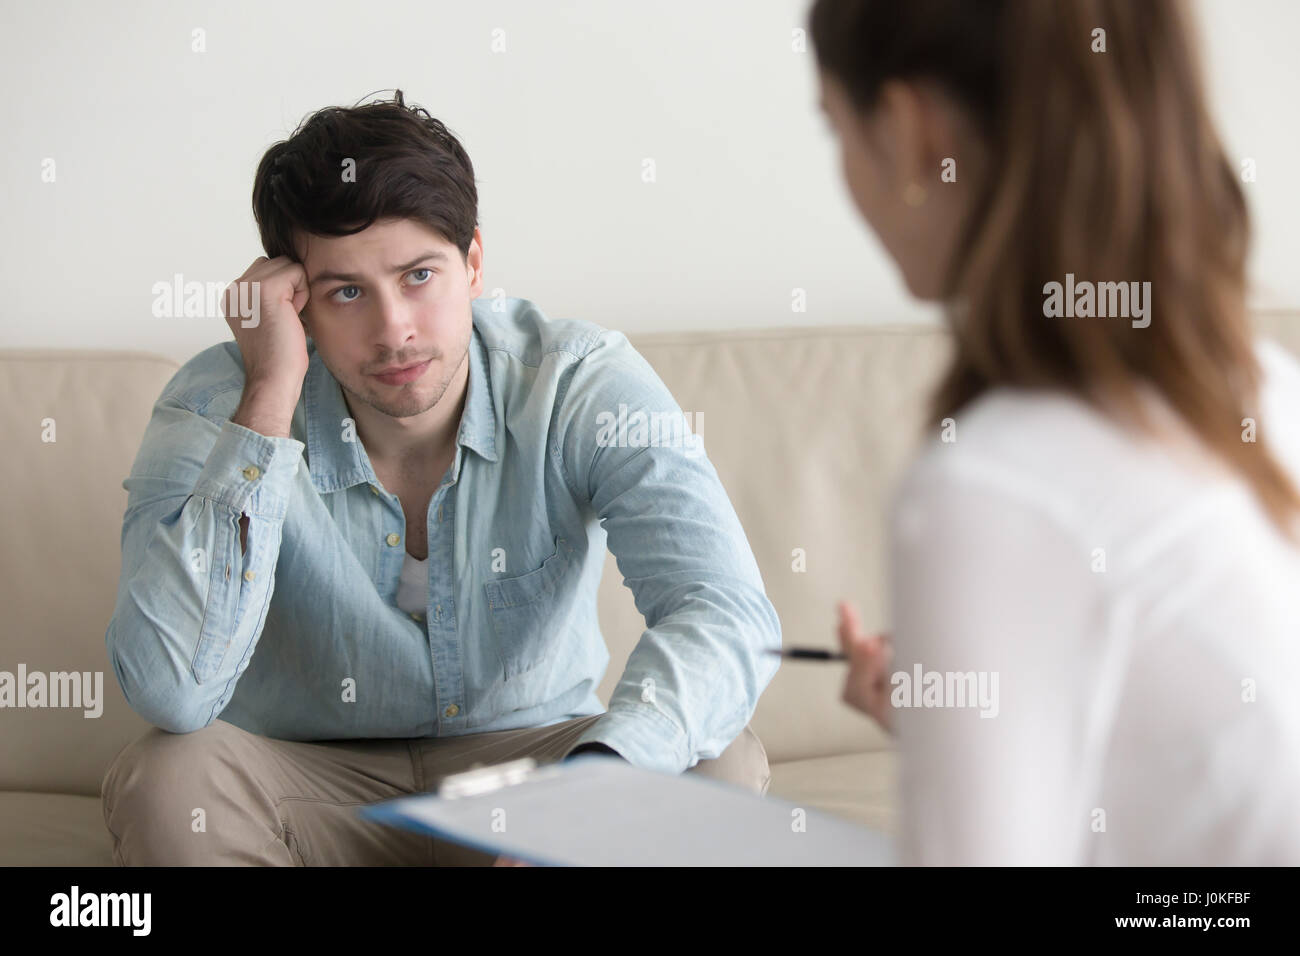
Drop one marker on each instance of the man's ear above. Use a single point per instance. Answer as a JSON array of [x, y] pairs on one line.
[[474, 264]]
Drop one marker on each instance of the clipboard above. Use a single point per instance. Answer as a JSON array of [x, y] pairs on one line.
[[594, 810]]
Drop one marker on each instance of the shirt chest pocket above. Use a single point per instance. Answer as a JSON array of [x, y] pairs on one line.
[[521, 610]]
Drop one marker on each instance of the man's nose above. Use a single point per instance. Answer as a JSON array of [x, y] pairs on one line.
[[394, 321]]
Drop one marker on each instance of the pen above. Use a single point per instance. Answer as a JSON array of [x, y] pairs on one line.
[[809, 654]]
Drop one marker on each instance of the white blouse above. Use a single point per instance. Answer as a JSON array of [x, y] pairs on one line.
[[1134, 618]]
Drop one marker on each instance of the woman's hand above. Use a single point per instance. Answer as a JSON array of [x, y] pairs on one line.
[[866, 687]]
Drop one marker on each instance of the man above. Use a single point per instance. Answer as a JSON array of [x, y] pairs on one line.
[[363, 540]]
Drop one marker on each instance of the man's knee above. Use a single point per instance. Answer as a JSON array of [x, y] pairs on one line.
[[159, 789], [742, 764], [159, 766]]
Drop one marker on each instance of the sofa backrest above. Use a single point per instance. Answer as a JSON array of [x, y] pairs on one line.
[[62, 514], [809, 430]]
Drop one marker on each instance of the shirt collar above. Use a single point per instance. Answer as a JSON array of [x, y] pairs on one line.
[[336, 464], [478, 423]]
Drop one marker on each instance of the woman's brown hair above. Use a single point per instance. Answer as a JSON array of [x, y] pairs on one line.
[[1104, 164]]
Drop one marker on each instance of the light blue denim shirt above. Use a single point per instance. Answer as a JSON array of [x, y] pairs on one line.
[[300, 637]]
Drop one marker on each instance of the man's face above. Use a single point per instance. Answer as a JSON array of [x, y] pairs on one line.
[[394, 295]]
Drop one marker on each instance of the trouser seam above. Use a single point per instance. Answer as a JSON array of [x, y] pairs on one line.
[[417, 766], [287, 835], [323, 802], [417, 777], [117, 840]]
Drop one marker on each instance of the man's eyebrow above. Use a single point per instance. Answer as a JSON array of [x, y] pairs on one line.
[[351, 277]]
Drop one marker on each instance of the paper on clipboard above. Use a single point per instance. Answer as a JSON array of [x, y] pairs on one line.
[[599, 811]]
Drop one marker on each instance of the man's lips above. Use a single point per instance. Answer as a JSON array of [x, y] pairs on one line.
[[397, 368], [399, 376]]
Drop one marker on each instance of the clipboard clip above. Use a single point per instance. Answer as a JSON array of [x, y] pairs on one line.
[[467, 783]]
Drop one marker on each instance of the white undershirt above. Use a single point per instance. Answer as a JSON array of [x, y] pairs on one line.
[[413, 586], [1119, 690]]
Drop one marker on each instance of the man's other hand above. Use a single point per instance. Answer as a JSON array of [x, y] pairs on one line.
[[594, 748]]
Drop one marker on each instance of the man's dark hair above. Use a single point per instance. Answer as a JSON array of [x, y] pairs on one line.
[[408, 166]]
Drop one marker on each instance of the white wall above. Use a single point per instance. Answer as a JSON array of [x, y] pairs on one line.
[[155, 146]]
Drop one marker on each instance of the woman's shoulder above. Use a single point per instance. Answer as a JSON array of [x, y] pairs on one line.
[[1049, 450], [1037, 430], [1040, 443]]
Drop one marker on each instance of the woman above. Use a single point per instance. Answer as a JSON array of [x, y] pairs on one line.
[[1096, 562]]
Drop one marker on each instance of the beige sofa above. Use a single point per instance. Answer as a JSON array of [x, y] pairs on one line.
[[808, 428]]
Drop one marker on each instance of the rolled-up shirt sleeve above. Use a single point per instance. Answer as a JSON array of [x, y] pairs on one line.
[[190, 602], [694, 678]]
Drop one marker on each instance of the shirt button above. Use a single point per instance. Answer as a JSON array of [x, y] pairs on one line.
[[249, 575], [374, 490], [415, 616], [393, 538], [452, 710], [251, 472]]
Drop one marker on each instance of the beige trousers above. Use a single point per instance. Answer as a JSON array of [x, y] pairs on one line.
[[222, 796]]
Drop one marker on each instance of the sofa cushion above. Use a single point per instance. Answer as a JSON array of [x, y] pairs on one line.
[[53, 829], [857, 787]]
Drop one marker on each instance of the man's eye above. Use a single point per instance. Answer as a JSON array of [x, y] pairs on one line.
[[346, 298], [424, 280]]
